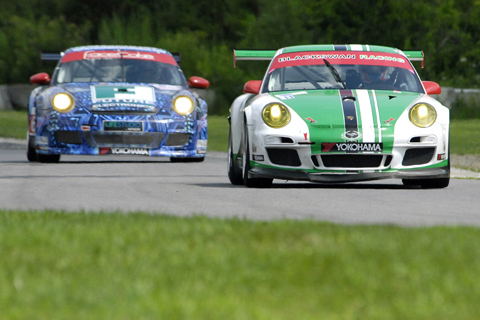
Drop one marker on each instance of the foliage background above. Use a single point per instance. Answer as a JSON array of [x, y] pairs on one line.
[[205, 32]]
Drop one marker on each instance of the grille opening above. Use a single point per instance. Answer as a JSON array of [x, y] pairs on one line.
[[68, 137], [177, 139], [352, 160], [287, 140], [147, 140], [388, 160], [418, 156], [284, 157]]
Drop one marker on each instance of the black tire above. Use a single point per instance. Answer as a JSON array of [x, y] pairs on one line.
[[31, 152], [234, 171], [251, 182], [48, 158], [187, 159]]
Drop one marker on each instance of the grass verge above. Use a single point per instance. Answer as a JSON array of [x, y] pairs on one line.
[[13, 124], [57, 265]]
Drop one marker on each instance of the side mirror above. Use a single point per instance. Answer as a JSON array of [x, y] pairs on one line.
[[40, 78], [252, 86], [197, 82], [432, 87]]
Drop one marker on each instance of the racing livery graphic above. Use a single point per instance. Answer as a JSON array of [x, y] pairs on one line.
[[338, 113], [117, 100]]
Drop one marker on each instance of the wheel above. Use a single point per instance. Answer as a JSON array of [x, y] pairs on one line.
[[48, 158], [234, 171], [31, 153], [187, 159], [251, 182]]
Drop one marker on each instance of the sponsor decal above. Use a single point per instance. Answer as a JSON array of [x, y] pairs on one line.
[[389, 120], [311, 120], [118, 54], [351, 135], [202, 143], [124, 94], [441, 156], [381, 58], [339, 57], [288, 96], [316, 57], [306, 136], [258, 157], [123, 126], [133, 151], [352, 146]]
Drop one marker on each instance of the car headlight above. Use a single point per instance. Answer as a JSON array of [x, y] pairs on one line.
[[423, 115], [276, 115], [63, 102], [183, 105]]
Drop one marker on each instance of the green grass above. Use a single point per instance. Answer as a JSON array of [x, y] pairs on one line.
[[57, 265], [13, 124], [465, 134], [218, 133]]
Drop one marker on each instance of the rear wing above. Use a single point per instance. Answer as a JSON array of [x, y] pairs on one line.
[[50, 56], [252, 55], [269, 54], [415, 56]]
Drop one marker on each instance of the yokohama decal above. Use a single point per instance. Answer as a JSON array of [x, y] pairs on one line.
[[352, 147]]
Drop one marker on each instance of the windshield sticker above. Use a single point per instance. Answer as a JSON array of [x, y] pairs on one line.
[[339, 57], [115, 54]]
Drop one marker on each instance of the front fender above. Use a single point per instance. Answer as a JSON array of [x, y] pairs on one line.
[[237, 120]]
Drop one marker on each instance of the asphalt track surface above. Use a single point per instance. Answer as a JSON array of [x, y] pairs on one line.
[[154, 185]]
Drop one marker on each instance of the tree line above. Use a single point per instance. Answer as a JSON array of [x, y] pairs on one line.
[[205, 32]]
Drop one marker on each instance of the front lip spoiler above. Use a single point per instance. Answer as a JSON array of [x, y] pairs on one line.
[[329, 177]]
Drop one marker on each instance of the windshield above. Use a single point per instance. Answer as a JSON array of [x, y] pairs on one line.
[[341, 71], [119, 70]]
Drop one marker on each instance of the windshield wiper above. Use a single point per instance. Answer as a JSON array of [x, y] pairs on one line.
[[335, 73]]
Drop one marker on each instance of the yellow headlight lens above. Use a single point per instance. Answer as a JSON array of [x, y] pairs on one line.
[[423, 115], [183, 105], [63, 102], [276, 115]]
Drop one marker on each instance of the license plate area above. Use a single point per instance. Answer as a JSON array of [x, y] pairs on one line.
[[122, 126]]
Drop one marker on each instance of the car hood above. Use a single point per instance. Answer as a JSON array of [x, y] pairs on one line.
[[122, 97], [349, 115]]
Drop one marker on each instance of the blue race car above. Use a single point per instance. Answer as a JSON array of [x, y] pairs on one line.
[[123, 100]]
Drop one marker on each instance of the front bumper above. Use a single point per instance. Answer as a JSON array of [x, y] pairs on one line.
[[330, 177], [158, 137]]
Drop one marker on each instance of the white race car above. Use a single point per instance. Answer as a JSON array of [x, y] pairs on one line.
[[338, 113]]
